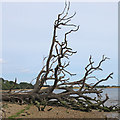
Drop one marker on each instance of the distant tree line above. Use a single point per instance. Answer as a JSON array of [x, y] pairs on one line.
[[105, 86], [102, 86], [6, 85]]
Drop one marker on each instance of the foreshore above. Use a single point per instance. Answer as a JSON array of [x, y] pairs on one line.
[[20, 90], [25, 111], [22, 111]]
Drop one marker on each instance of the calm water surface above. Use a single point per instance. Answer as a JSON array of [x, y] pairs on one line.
[[112, 93]]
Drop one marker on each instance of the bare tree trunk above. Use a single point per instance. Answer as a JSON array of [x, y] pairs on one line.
[[56, 70]]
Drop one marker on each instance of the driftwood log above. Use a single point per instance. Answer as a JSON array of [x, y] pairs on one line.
[[55, 69]]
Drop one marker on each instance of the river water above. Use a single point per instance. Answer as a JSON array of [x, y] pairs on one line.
[[114, 98], [112, 93]]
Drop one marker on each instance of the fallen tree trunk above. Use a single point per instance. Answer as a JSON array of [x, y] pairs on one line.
[[55, 69]]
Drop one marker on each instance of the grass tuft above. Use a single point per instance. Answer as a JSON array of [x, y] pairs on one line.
[[18, 113]]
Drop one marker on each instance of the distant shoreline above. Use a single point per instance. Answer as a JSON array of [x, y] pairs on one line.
[[47, 87], [113, 87], [102, 87]]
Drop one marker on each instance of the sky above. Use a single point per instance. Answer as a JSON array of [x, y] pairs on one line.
[[27, 30]]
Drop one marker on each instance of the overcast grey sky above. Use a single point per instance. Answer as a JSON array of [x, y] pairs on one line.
[[27, 32]]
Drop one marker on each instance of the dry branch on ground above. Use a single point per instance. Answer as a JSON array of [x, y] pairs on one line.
[[55, 69]]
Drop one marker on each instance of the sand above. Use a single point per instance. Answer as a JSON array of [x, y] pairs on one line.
[[11, 109]]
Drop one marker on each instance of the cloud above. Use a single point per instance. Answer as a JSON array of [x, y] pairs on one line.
[[2, 61]]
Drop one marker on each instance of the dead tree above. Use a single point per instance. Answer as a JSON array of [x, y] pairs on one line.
[[55, 69]]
